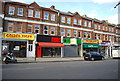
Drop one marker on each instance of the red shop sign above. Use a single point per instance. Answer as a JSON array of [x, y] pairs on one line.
[[56, 39]]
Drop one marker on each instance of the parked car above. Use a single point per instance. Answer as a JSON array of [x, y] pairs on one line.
[[93, 56]]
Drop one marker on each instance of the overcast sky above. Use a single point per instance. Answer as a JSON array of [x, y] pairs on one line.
[[100, 9]]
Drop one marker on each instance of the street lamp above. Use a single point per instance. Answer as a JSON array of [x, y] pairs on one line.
[[117, 4]]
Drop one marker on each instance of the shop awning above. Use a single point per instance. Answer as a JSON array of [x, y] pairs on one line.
[[47, 44]]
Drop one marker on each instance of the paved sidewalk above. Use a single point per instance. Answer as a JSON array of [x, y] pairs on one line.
[[55, 59]]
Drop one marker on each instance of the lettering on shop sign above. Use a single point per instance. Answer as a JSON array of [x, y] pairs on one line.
[[92, 46], [18, 36], [55, 39], [90, 41]]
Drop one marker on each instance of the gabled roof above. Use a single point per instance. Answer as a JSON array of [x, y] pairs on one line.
[[76, 13], [34, 4], [17, 3], [65, 13], [85, 17]]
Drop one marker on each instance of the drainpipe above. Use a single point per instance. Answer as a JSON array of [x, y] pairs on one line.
[[81, 47]]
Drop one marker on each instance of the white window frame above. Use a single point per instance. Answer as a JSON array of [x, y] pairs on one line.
[[68, 32], [112, 29], [89, 34], [37, 27], [99, 27], [75, 21], [79, 32], [11, 11], [68, 20], [75, 33], [52, 17], [62, 32], [62, 19], [9, 25], [52, 29], [85, 34], [17, 27], [45, 30], [46, 16], [85, 23], [29, 25], [95, 26], [37, 14], [89, 24], [79, 22], [20, 11], [30, 13]]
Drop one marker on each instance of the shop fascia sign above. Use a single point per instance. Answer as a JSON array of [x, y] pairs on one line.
[[91, 41], [73, 41], [18, 36], [105, 43], [91, 45]]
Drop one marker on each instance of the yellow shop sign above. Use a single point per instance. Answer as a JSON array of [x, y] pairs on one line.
[[18, 36], [90, 41]]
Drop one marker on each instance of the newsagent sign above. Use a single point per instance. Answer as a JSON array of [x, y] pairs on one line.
[[91, 41], [18, 36]]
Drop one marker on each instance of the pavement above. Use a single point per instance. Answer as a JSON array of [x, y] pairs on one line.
[[50, 59]]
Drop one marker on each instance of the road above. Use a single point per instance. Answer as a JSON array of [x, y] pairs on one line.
[[105, 69]]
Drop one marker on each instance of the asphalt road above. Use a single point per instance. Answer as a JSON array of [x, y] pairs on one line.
[[106, 69]]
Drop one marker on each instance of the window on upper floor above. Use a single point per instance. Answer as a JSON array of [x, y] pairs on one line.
[[20, 11], [95, 26], [45, 30], [103, 27], [79, 22], [52, 17], [29, 29], [52, 30], [68, 20], [75, 21], [85, 23], [37, 14], [85, 35], [19, 27], [30, 13], [116, 30], [46, 16], [62, 19], [10, 26], [89, 35], [95, 35], [79, 33], [98, 36], [112, 29], [75, 33], [63, 32], [106, 28], [89, 24], [11, 10], [68, 32], [37, 29], [99, 27]]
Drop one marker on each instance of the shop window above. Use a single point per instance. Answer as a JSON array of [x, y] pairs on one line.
[[85, 23], [30, 13], [45, 30], [20, 11], [79, 34], [30, 47], [79, 22], [52, 17], [29, 29], [95, 26], [37, 28], [46, 16], [68, 32], [75, 21], [62, 19], [89, 35], [89, 24], [37, 14], [19, 27], [99, 27], [63, 32], [11, 10], [52, 30], [68, 20], [10, 26], [75, 33]]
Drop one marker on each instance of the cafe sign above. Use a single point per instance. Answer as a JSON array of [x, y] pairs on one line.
[[18, 36], [91, 41]]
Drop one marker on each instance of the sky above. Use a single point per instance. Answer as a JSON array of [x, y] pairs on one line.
[[100, 9]]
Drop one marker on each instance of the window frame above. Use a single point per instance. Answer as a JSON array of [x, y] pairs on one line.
[[20, 11], [52, 30], [35, 28], [75, 21], [63, 19], [46, 16], [29, 25], [68, 32], [37, 15], [45, 30], [30, 13], [18, 26], [52, 17], [11, 26], [62, 32], [13, 11], [68, 20]]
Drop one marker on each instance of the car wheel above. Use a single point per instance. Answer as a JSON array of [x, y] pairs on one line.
[[92, 59], [103, 58]]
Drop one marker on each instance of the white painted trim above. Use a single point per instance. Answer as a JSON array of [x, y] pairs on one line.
[[2, 15], [104, 32], [29, 21]]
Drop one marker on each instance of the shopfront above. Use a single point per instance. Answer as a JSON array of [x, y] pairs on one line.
[[90, 45], [21, 45], [72, 47], [48, 46]]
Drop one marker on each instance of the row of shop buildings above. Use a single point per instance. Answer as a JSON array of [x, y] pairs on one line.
[[36, 45], [30, 30]]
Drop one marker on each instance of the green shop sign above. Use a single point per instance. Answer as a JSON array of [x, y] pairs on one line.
[[65, 40], [79, 41], [91, 45]]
